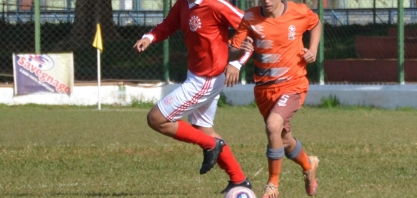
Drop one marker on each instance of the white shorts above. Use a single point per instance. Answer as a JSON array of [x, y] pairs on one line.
[[196, 98]]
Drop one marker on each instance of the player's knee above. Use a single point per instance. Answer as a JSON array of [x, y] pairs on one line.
[[153, 119], [273, 129]]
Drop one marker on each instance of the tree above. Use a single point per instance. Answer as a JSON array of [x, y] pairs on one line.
[[86, 15]]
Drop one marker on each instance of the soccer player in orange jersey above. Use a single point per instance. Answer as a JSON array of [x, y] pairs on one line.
[[280, 59]]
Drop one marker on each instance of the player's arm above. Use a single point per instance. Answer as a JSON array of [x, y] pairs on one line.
[[163, 30], [315, 35], [315, 27], [232, 16], [240, 50], [241, 44], [246, 47]]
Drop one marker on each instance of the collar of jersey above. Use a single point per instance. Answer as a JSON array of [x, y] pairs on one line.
[[195, 3]]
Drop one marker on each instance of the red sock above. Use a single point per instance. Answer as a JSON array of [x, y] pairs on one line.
[[302, 160], [227, 162], [274, 170], [189, 134]]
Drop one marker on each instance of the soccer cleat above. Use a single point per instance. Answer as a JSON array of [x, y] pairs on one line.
[[270, 191], [246, 183], [210, 156], [310, 176]]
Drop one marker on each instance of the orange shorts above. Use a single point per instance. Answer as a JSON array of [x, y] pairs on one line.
[[278, 100]]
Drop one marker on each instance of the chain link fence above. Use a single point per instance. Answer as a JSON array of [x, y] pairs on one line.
[[365, 29]]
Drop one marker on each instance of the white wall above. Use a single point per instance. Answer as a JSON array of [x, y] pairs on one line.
[[385, 96]]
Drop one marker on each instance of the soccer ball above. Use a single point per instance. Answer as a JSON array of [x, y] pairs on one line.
[[240, 192]]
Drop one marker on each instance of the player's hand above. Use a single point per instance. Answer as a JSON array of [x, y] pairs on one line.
[[142, 44], [232, 75], [309, 56], [247, 44]]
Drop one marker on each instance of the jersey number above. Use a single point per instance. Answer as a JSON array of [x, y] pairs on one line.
[[282, 102]]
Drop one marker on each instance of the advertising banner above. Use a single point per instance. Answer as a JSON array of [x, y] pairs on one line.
[[43, 73]]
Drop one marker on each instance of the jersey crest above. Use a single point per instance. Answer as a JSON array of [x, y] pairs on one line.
[[194, 23], [291, 32]]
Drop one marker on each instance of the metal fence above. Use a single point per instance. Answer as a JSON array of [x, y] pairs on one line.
[[65, 27]]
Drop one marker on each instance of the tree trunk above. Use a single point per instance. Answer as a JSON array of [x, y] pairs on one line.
[[86, 15]]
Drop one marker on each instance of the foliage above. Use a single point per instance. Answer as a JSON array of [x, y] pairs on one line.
[[140, 103], [331, 102], [222, 101]]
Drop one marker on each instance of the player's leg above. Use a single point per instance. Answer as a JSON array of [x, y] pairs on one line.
[[293, 148], [309, 164], [266, 100], [178, 130], [165, 116], [274, 153], [203, 119], [295, 152], [230, 165]]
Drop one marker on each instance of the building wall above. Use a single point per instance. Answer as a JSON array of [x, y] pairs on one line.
[[382, 96]]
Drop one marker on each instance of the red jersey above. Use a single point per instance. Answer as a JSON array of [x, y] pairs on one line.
[[278, 45], [205, 25]]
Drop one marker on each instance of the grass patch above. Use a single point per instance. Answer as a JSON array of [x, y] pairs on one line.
[[72, 151], [222, 101], [330, 102], [140, 103]]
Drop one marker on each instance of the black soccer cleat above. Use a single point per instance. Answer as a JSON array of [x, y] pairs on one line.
[[246, 183], [210, 156]]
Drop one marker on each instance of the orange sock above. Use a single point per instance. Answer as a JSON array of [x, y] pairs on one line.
[[274, 166], [189, 134], [228, 163], [302, 160]]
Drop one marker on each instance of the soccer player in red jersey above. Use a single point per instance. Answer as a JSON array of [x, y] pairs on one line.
[[280, 58], [205, 24]]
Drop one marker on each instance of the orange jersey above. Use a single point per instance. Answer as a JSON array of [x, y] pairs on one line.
[[278, 45]]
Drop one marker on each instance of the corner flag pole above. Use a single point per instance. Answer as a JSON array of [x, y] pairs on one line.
[[98, 43]]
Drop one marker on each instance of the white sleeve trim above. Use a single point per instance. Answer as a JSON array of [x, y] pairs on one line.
[[233, 9], [236, 64], [245, 57], [149, 36]]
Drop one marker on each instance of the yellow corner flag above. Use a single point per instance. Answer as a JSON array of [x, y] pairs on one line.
[[98, 41]]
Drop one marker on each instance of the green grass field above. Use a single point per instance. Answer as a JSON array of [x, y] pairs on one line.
[[66, 151]]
